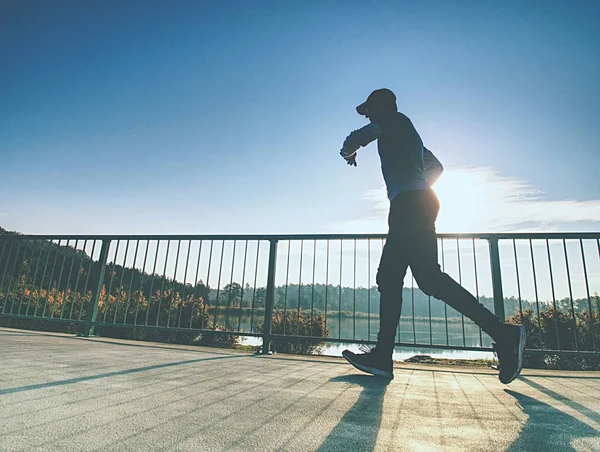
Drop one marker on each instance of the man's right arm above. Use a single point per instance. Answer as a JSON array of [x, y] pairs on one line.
[[360, 138]]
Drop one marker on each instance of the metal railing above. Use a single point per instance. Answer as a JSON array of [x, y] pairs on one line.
[[301, 287]]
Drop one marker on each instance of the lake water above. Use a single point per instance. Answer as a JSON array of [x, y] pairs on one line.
[[419, 332]]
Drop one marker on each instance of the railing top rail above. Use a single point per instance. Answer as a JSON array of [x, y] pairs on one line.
[[485, 235]]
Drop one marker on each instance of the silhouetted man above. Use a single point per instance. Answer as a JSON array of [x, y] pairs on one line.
[[409, 170]]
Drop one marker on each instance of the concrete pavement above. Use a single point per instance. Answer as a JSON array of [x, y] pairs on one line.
[[62, 393]]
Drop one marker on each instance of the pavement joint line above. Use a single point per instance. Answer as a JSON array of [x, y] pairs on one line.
[[401, 404], [212, 403], [575, 388], [109, 374], [292, 403], [140, 398], [333, 434], [316, 416], [498, 399], [479, 421], [122, 403]]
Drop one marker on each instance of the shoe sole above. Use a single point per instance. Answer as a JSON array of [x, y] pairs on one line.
[[370, 370], [520, 352]]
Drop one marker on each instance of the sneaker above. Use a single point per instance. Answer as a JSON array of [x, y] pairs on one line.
[[510, 353], [372, 362]]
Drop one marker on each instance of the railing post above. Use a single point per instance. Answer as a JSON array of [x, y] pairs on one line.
[[93, 309], [497, 279], [270, 298]]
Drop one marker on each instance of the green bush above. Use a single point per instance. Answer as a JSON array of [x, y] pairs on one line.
[[294, 323], [556, 330]]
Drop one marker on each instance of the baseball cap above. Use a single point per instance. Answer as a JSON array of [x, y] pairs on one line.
[[379, 95]]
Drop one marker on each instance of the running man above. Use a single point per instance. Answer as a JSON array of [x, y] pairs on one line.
[[409, 169]]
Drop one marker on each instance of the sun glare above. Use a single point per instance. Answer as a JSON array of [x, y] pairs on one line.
[[467, 201]]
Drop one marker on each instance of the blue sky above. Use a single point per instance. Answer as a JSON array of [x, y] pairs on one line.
[[227, 117]]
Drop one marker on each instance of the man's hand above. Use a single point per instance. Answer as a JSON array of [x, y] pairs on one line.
[[351, 160]]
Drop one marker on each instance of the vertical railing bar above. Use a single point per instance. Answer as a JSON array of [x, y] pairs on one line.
[[254, 289], [230, 286], [326, 280], [460, 282], [174, 285], [287, 272], [299, 288], [340, 294], [477, 288], [151, 292], [87, 278], [182, 299], [37, 267], [75, 293], [535, 288], [312, 299], [205, 307], [29, 263], [5, 271], [445, 305], [18, 283], [37, 301], [12, 273], [430, 327], [219, 282], [4, 245], [162, 284], [120, 288], [139, 297], [16, 293], [497, 288], [51, 276], [412, 298], [354, 297], [135, 256], [571, 295], [195, 291], [553, 294], [62, 270], [518, 279], [241, 308], [67, 287], [112, 276], [92, 314], [369, 289], [589, 298], [270, 297]]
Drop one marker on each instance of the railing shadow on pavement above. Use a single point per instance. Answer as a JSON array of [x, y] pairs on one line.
[[112, 374], [548, 428], [584, 411], [359, 428]]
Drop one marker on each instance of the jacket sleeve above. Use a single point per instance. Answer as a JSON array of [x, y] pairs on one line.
[[360, 138], [432, 166]]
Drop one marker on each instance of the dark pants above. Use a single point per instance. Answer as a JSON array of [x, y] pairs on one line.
[[412, 241]]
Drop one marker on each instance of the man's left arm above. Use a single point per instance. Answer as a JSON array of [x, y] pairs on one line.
[[432, 166]]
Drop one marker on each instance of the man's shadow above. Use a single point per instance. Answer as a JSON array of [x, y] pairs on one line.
[[548, 428], [359, 428]]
